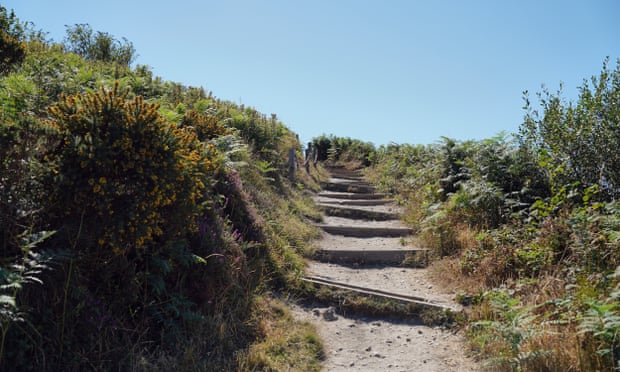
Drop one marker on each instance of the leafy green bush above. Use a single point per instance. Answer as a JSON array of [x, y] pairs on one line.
[[343, 149], [578, 142], [98, 46]]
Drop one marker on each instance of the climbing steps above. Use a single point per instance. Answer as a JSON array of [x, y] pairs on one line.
[[362, 229]]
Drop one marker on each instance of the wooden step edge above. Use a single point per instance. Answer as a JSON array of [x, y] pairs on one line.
[[366, 231], [355, 196], [349, 181], [346, 187], [379, 293], [354, 202], [348, 177], [392, 257], [358, 213]]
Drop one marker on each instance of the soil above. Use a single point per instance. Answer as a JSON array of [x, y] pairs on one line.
[[355, 343], [376, 344]]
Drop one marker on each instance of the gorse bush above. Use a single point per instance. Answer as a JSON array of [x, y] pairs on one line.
[[206, 126], [118, 165]]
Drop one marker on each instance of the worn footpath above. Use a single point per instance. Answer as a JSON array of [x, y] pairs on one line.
[[362, 250]]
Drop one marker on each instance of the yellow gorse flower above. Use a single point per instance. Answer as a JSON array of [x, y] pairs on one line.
[[138, 168]]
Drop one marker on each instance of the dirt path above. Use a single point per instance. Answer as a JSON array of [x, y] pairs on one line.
[[355, 343]]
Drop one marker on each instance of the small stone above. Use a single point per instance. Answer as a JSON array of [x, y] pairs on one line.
[[330, 314], [351, 364], [429, 286], [369, 348], [408, 339], [419, 331], [352, 325], [316, 311]]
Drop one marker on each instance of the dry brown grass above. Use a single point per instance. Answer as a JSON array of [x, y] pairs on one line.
[[560, 345], [447, 274], [287, 344]]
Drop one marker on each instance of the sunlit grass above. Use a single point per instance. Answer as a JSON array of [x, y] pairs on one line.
[[285, 345]]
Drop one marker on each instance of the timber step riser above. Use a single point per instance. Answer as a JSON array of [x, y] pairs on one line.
[[354, 178], [349, 196], [377, 293], [342, 173], [355, 202], [358, 214], [371, 257], [347, 187], [367, 232]]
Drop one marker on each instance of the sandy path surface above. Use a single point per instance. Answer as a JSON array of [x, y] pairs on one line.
[[330, 241], [373, 344], [342, 221]]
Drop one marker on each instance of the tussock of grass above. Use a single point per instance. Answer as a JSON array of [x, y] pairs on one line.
[[287, 344]]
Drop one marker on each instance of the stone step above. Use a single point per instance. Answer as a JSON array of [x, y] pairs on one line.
[[379, 197], [349, 178], [371, 257], [358, 214], [366, 231], [342, 171], [355, 202], [350, 187], [378, 293]]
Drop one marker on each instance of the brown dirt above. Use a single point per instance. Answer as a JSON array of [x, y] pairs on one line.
[[376, 344]]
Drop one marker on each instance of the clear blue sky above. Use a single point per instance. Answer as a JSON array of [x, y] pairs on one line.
[[380, 71]]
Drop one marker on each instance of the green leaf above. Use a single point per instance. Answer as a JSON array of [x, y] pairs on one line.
[[199, 260], [7, 300]]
